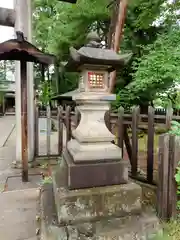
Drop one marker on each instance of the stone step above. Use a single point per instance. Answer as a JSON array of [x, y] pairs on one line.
[[138, 226]]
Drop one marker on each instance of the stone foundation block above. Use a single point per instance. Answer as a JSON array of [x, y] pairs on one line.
[[92, 204], [101, 173], [141, 226]]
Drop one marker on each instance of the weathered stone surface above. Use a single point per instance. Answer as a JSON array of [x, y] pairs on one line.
[[72, 232], [57, 233], [104, 173], [92, 128], [140, 227], [137, 226], [92, 139], [86, 229], [83, 205], [93, 152]]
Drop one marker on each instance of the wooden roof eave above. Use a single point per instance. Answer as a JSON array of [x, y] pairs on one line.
[[15, 50]]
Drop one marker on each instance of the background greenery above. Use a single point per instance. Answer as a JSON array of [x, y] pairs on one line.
[[151, 32]]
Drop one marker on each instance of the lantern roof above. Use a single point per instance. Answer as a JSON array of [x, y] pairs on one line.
[[93, 53], [21, 50]]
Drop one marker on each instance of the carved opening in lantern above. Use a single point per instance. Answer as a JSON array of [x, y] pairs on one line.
[[96, 80]]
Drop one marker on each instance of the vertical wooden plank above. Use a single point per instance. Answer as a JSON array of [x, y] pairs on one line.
[[163, 165], [134, 157], [150, 145], [120, 129], [176, 164], [127, 143], [36, 131], [3, 106], [172, 186], [169, 115], [24, 123], [48, 139], [160, 175], [68, 123], [60, 129], [77, 117]]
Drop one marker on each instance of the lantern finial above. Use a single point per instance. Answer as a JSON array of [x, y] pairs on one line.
[[93, 40]]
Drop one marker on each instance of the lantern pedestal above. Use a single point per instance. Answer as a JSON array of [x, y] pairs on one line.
[[92, 160], [96, 174]]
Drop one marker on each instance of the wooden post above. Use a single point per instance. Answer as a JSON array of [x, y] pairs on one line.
[[24, 131], [150, 145], [127, 143], [120, 129], [169, 115], [48, 140], [60, 129], [169, 151], [36, 131], [68, 123], [172, 186], [134, 156], [163, 164], [3, 105]]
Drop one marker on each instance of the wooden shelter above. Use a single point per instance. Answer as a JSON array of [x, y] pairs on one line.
[[66, 99], [20, 50]]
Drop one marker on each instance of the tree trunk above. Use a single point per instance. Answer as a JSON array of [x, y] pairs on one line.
[[7, 17], [118, 34], [112, 27]]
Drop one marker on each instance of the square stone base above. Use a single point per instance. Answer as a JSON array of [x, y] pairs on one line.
[[93, 204], [136, 226], [86, 175]]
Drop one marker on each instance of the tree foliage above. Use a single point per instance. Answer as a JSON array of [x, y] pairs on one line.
[[151, 34], [155, 46], [157, 70], [59, 25]]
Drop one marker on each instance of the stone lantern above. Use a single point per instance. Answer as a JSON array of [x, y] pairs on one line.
[[92, 197], [92, 160]]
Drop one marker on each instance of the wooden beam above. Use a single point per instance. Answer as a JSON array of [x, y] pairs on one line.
[[7, 17]]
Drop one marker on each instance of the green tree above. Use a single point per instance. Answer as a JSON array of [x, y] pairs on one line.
[[61, 25], [157, 71], [152, 37]]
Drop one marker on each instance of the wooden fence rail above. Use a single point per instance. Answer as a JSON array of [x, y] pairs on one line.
[[120, 124]]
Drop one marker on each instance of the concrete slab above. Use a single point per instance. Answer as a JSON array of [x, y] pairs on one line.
[[18, 214], [15, 183]]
